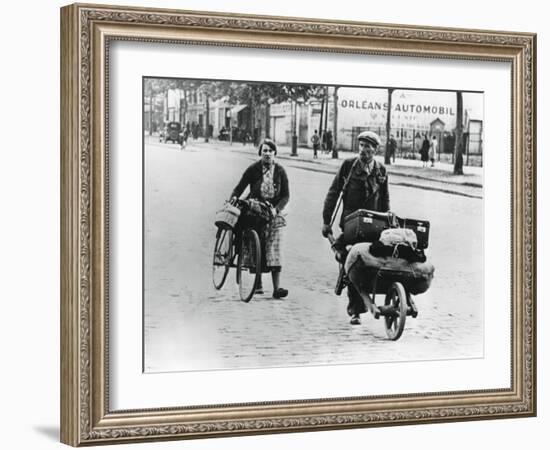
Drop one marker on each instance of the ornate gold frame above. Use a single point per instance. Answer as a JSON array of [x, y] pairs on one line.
[[86, 31]]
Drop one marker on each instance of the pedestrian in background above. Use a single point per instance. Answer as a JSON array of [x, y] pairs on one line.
[[184, 137], [433, 150], [367, 189], [268, 182], [316, 140], [329, 141], [393, 147], [425, 151]]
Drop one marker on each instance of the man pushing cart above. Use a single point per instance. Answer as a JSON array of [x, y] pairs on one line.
[[378, 252]]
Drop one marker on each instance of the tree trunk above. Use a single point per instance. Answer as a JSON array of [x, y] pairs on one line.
[[151, 109], [186, 111], [335, 125], [325, 125], [253, 122], [207, 119], [294, 138], [458, 136], [320, 129], [165, 111], [387, 154], [268, 121]]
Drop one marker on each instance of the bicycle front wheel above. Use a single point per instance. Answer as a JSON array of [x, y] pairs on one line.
[[222, 257], [396, 300], [249, 267]]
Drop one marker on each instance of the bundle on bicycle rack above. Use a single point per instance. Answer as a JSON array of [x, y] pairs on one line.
[[363, 268], [256, 213]]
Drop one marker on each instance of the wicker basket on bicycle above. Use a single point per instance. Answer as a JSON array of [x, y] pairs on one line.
[[227, 217]]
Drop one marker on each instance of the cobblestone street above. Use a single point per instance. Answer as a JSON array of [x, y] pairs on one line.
[[188, 325]]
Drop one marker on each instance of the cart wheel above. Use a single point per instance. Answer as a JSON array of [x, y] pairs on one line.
[[222, 257], [249, 266], [396, 300]]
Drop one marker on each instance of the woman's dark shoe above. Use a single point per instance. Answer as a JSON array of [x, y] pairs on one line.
[[355, 320], [280, 293]]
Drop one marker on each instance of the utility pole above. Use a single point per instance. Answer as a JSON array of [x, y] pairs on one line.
[[325, 126], [387, 155], [335, 124]]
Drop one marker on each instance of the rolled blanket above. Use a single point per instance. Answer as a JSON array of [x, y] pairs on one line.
[[362, 267]]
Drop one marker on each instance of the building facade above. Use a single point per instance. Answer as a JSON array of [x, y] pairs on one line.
[[345, 111]]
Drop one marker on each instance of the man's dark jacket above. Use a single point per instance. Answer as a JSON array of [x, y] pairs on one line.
[[364, 191]]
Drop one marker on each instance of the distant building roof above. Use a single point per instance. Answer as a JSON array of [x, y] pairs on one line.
[[438, 120]]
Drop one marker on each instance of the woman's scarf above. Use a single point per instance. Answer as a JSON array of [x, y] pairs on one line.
[[267, 187]]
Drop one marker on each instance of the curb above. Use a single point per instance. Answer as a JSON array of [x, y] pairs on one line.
[[319, 166], [322, 168], [333, 170]]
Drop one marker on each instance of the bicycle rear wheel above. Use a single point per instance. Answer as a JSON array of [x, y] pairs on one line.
[[249, 267], [222, 257]]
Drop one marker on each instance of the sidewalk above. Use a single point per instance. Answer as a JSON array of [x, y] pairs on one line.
[[404, 172], [442, 172]]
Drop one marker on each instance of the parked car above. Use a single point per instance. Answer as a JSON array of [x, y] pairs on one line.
[[172, 132]]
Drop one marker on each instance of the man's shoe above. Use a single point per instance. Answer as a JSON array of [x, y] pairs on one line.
[[355, 320], [280, 293]]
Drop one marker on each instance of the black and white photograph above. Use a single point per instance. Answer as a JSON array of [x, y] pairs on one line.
[[289, 225]]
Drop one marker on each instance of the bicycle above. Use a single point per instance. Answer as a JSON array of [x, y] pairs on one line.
[[237, 239]]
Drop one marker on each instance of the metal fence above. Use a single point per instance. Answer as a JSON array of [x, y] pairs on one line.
[[409, 142]]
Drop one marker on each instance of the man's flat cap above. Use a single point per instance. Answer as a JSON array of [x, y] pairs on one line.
[[369, 136]]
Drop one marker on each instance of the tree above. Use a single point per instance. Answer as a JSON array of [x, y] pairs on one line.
[[257, 94], [152, 87], [298, 94], [458, 167]]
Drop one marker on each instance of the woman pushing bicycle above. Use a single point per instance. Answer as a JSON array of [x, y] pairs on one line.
[[268, 183]]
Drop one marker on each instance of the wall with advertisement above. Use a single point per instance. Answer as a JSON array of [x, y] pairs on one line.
[[412, 111]]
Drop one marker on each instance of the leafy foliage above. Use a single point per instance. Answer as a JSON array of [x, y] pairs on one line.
[[238, 92]]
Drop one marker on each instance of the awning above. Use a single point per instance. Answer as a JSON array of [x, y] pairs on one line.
[[237, 109]]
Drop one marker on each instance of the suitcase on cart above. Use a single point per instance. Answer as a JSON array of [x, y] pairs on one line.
[[365, 226], [421, 229]]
